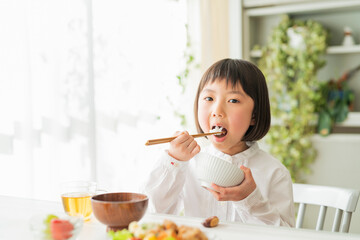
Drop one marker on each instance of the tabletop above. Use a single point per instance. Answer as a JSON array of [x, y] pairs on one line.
[[15, 214]]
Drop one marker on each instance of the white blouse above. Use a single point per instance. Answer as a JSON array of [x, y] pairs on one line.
[[172, 187]]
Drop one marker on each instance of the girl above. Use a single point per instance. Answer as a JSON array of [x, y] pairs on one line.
[[232, 94]]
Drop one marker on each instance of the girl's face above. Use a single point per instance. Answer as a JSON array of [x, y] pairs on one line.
[[227, 107]]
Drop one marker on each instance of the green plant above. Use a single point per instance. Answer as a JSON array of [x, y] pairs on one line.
[[290, 62], [335, 102]]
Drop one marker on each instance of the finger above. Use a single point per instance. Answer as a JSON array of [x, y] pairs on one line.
[[227, 193], [249, 184], [188, 141], [216, 187], [242, 167], [192, 145], [247, 171], [182, 143], [181, 138], [196, 150], [214, 193], [177, 133], [185, 138]]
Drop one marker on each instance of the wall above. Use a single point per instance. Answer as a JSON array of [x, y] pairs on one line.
[[337, 164]]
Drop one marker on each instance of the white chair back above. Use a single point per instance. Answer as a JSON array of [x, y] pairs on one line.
[[343, 200]]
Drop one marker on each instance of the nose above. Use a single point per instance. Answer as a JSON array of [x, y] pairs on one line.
[[217, 114], [218, 111]]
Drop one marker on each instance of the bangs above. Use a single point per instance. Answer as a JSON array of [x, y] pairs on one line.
[[227, 70]]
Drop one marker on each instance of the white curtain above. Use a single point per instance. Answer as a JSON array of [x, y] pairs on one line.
[[215, 31], [83, 85]]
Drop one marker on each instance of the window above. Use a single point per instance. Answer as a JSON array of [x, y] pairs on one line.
[[83, 85]]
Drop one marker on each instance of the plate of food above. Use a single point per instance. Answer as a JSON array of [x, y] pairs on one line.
[[168, 230]]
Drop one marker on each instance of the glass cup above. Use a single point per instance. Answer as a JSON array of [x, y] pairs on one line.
[[76, 197]]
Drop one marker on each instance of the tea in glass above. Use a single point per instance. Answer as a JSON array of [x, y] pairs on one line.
[[77, 203], [76, 197]]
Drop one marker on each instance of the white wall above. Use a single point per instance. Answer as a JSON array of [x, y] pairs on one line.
[[337, 164]]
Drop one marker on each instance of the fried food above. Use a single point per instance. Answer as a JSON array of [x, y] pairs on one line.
[[211, 222], [164, 231]]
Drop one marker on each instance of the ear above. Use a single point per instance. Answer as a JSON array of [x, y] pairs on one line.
[[252, 122]]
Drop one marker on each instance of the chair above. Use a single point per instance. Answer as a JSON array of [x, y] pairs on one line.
[[343, 200]]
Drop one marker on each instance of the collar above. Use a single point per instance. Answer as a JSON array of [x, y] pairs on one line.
[[238, 159]]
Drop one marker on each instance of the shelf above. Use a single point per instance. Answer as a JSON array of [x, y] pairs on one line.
[[259, 17], [350, 126], [343, 49], [353, 120], [330, 50], [306, 6], [266, 3], [337, 137]]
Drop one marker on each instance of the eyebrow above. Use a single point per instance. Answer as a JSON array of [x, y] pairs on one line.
[[230, 92], [237, 92]]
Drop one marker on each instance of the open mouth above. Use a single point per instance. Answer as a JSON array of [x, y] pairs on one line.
[[219, 128]]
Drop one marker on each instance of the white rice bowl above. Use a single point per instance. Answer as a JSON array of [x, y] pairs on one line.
[[211, 169]]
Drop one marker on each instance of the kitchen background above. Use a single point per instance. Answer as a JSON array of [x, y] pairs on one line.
[[84, 84]]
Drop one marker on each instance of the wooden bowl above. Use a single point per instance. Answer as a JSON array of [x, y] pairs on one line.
[[118, 210]]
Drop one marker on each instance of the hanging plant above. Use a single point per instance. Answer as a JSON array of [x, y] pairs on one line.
[[290, 62]]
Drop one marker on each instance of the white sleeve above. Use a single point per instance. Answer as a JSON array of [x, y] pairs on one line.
[[277, 210], [165, 184]]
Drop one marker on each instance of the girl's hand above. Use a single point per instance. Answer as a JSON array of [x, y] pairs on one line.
[[236, 193], [184, 147]]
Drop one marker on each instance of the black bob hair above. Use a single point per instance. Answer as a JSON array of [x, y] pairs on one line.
[[251, 79]]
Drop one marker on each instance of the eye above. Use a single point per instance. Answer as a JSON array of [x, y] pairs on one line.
[[234, 101], [208, 98]]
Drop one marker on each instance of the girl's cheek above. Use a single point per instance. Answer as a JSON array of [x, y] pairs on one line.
[[242, 122], [203, 119]]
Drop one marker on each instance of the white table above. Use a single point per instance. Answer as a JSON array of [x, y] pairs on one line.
[[16, 212]]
